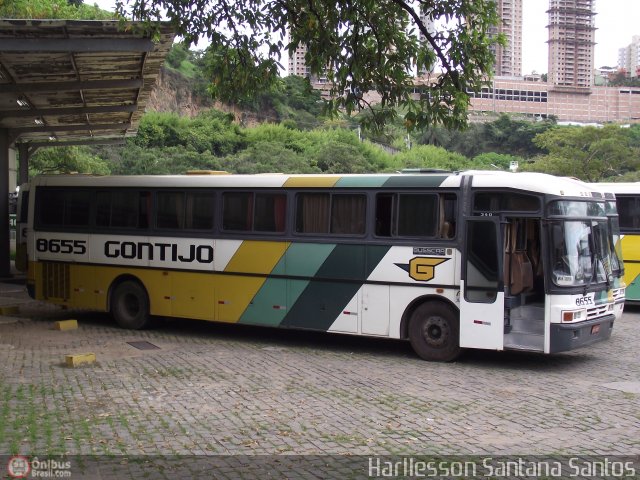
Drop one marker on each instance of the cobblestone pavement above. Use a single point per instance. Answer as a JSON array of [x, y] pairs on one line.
[[220, 389]]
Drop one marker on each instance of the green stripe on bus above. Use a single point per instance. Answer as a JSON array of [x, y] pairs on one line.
[[362, 182], [416, 181], [323, 301], [632, 291], [270, 304]]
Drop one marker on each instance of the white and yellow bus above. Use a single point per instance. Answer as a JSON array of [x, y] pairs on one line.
[[488, 260], [628, 204]]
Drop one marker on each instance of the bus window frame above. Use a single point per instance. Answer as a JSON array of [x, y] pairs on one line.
[[184, 232], [625, 229], [36, 197], [394, 237], [222, 232], [101, 229], [328, 234]]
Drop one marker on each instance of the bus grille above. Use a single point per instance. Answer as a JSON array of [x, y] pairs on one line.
[[55, 280], [618, 294], [596, 312]]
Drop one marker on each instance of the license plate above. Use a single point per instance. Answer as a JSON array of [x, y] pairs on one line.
[[595, 329]]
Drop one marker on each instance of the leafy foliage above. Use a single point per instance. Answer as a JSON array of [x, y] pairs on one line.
[[360, 46], [212, 132], [137, 160], [67, 160], [37, 9], [589, 153], [429, 156], [505, 135], [275, 148], [168, 144], [620, 79]]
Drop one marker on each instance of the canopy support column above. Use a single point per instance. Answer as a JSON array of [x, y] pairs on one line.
[[5, 262]]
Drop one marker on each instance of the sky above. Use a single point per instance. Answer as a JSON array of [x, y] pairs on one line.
[[617, 21]]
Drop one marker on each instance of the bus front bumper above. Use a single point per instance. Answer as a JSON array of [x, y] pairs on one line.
[[569, 336]]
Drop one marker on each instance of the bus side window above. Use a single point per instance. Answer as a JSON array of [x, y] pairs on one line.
[[270, 212], [417, 215], [64, 208], [237, 211], [449, 211], [629, 212], [199, 214], [170, 210], [123, 209], [384, 214], [312, 213], [348, 214]]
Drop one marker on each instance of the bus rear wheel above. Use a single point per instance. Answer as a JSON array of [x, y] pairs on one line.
[[434, 332], [130, 305]]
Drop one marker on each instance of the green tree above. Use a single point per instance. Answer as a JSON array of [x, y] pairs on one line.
[[137, 160], [211, 131], [360, 45], [67, 160], [37, 9], [429, 156], [620, 79], [266, 156], [179, 53], [589, 153], [492, 160]]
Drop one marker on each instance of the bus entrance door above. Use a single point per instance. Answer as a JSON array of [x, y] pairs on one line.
[[481, 296]]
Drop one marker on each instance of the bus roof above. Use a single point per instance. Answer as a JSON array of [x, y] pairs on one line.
[[526, 181], [619, 187]]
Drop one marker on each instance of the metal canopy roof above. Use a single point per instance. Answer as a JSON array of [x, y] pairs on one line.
[[74, 82]]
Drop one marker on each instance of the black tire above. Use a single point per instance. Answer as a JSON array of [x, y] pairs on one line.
[[130, 305], [434, 332]]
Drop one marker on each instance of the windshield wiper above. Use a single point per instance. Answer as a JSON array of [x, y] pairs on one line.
[[597, 257], [593, 272]]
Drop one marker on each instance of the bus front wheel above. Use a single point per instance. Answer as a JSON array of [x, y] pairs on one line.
[[130, 305], [434, 332]]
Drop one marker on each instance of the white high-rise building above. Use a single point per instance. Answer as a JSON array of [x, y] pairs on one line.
[[509, 57], [629, 57]]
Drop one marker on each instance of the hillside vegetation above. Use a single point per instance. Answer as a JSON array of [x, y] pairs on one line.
[[295, 136]]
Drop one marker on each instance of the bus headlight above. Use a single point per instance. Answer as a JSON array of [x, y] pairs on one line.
[[574, 315]]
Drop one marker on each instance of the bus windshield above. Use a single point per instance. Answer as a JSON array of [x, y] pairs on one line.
[[581, 253]]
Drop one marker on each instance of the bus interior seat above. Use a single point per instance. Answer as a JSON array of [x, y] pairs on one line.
[[519, 272], [445, 230]]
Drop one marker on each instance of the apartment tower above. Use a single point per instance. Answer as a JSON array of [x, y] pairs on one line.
[[629, 58], [509, 57], [571, 44], [297, 63]]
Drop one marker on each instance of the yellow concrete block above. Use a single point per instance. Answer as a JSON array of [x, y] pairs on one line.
[[79, 359], [66, 325], [9, 310]]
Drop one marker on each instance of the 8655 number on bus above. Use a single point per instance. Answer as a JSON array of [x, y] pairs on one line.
[[52, 245]]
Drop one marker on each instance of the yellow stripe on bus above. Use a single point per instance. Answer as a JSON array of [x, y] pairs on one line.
[[235, 292], [311, 181], [631, 255]]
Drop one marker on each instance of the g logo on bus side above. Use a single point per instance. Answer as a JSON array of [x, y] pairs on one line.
[[422, 269]]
